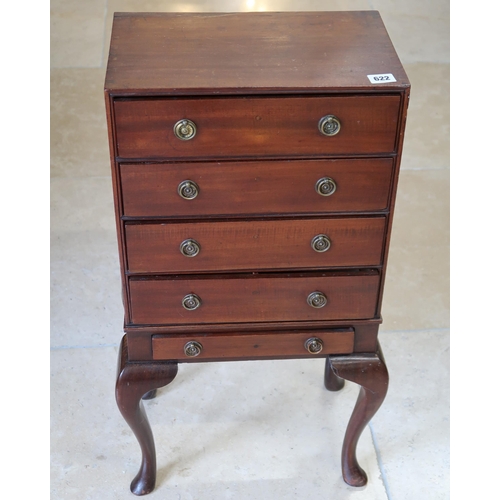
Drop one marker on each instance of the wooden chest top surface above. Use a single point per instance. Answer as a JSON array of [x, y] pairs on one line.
[[250, 53]]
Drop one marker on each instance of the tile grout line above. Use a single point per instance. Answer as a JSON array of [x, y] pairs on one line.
[[97, 346], [76, 67], [104, 34], [66, 347], [443, 329], [380, 464], [423, 169], [443, 63], [109, 176], [81, 177]]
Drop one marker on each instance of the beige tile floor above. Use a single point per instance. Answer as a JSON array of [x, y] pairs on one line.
[[259, 430]]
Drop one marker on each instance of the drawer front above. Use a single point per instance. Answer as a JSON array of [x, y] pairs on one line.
[[262, 345], [246, 127], [252, 299], [151, 190], [249, 245]]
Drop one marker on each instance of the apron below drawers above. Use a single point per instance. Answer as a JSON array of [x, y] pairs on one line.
[[249, 245], [253, 346], [254, 298]]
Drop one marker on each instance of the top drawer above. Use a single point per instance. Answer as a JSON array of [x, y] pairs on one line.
[[263, 126]]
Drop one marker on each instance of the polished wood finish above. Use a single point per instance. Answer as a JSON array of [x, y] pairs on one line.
[[253, 299], [140, 345], [332, 381], [248, 245], [370, 372], [254, 346], [255, 188], [236, 127], [133, 382], [245, 53], [256, 86]]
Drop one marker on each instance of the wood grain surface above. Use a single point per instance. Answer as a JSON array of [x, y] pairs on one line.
[[189, 53], [253, 346], [246, 188], [253, 245], [253, 299], [255, 126]]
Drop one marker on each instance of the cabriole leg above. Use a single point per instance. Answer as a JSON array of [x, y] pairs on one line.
[[370, 372], [332, 382], [134, 381]]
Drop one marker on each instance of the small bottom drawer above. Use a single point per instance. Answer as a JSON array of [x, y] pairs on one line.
[[253, 346]]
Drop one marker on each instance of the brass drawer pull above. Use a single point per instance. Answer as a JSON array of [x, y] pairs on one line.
[[314, 345], [325, 186], [192, 348], [191, 302], [190, 248], [188, 190], [329, 125], [321, 243], [317, 300], [185, 130]]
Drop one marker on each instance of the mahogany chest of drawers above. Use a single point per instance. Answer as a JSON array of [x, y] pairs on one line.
[[255, 160]]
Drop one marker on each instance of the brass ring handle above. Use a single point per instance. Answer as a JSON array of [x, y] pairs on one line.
[[188, 190], [317, 300], [185, 130], [191, 302], [329, 125], [192, 348], [325, 186], [190, 248], [321, 243], [314, 345]]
